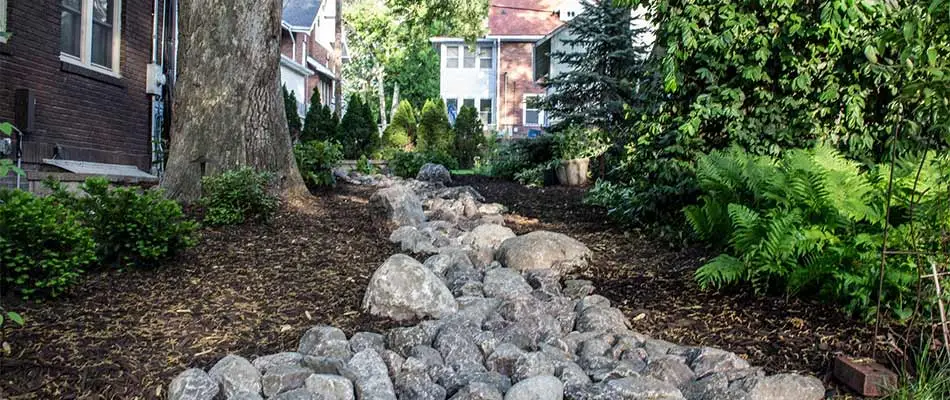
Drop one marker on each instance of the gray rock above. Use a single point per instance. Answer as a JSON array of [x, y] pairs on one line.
[[492, 208], [267, 362], [428, 355], [460, 275], [453, 382], [324, 341], [545, 282], [396, 206], [413, 240], [599, 319], [402, 289], [783, 387], [487, 237], [235, 374], [642, 388], [435, 173], [367, 340], [370, 377], [625, 344], [459, 351], [708, 360], [528, 325], [504, 358], [712, 387], [505, 283], [532, 364], [537, 388], [578, 289], [296, 394], [594, 300], [669, 370], [596, 346], [478, 391], [441, 262], [246, 396], [541, 249], [192, 384], [284, 378], [393, 361], [324, 365], [401, 340], [657, 348], [572, 374], [330, 387], [417, 386]]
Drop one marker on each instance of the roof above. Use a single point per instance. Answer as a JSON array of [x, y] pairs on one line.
[[300, 13], [523, 17], [93, 168]]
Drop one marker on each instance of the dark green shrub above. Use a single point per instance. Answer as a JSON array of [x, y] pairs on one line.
[[514, 156], [131, 227], [319, 123], [364, 167], [358, 131], [43, 247], [469, 137], [812, 221], [316, 159], [236, 196], [401, 131], [435, 133], [290, 108]]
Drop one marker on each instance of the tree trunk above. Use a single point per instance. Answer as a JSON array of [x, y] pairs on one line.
[[392, 114], [338, 59], [229, 110], [381, 93]]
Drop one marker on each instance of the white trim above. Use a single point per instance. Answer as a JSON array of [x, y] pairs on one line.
[[524, 111], [516, 38], [320, 67], [85, 40], [297, 67]]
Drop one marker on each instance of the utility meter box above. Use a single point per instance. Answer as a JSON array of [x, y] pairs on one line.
[[154, 80]]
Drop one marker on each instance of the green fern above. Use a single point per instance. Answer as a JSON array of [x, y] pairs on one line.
[[722, 271]]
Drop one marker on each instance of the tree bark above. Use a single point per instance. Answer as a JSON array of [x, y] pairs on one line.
[[381, 93], [228, 106], [338, 59]]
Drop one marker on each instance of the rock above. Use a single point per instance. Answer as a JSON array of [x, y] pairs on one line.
[[428, 355], [402, 289], [545, 282], [265, 363], [537, 388], [324, 365], [235, 374], [393, 361], [247, 396], [492, 208], [532, 364], [297, 394], [416, 385], [503, 359], [459, 351], [478, 391], [325, 341], [596, 346], [331, 387], [435, 173], [642, 388], [401, 340], [488, 237], [595, 300], [370, 377], [542, 249], [441, 262], [783, 387], [192, 384], [599, 319], [578, 289], [453, 382], [529, 323], [505, 283], [572, 374], [367, 340], [460, 275], [669, 370], [413, 240], [708, 360], [396, 206], [284, 378]]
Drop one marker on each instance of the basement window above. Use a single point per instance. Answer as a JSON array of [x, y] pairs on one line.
[[90, 34]]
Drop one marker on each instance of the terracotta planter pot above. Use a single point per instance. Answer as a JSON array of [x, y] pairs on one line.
[[573, 172]]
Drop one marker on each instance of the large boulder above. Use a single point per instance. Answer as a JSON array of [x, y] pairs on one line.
[[435, 173], [542, 249], [193, 384], [784, 387], [403, 289], [396, 206], [236, 374]]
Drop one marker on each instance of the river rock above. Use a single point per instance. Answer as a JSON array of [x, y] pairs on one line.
[[542, 249], [403, 289], [544, 387], [235, 374], [396, 206], [435, 173], [192, 384]]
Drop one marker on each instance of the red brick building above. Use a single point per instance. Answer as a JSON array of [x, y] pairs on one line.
[[75, 78], [306, 45]]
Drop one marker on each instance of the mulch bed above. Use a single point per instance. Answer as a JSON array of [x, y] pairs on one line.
[[254, 290]]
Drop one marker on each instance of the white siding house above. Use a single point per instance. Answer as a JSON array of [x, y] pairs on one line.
[[468, 77]]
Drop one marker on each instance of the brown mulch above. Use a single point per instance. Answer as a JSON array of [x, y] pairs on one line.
[[652, 283], [250, 290], [254, 289]]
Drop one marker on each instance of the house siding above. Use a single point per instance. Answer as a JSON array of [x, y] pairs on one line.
[[86, 115], [517, 80]]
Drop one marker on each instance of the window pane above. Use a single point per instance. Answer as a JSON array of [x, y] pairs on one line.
[[102, 11], [531, 117], [469, 103], [102, 45], [70, 26], [452, 51], [484, 57], [452, 105], [469, 58]]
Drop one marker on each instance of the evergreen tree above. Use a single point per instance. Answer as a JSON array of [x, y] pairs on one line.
[[328, 124], [469, 136], [435, 134], [313, 123], [605, 63], [290, 107], [358, 133], [401, 131]]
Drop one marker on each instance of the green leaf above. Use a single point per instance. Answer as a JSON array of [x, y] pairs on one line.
[[871, 53], [16, 318]]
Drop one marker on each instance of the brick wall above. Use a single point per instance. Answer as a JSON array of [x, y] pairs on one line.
[[88, 115], [516, 80]]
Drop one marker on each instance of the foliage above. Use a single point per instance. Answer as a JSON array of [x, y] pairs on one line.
[[358, 132], [604, 57], [43, 247], [435, 134], [5, 316], [578, 142], [407, 164], [813, 221], [926, 378], [290, 108], [364, 167], [316, 159], [131, 227], [240, 195], [319, 122], [535, 175], [402, 129], [511, 157], [6, 166], [469, 136]]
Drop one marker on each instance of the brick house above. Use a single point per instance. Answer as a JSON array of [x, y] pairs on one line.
[[306, 46], [496, 75], [80, 79]]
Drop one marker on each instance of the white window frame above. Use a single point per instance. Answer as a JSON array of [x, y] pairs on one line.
[[524, 111], [489, 57], [491, 111], [463, 55], [3, 21], [85, 52], [458, 57]]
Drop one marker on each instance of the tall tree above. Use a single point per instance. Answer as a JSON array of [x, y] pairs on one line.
[[338, 59], [290, 109], [229, 113]]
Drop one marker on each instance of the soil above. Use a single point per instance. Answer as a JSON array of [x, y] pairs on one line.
[[254, 289]]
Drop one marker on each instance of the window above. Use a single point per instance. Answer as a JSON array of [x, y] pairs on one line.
[[452, 106], [89, 33], [469, 57], [452, 57], [484, 57], [532, 114], [468, 103], [3, 21], [484, 111]]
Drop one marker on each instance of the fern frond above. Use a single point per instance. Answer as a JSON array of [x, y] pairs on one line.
[[721, 271]]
